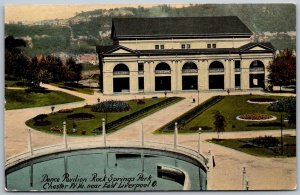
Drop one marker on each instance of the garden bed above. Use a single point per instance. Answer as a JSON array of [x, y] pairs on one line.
[[115, 120], [256, 117]]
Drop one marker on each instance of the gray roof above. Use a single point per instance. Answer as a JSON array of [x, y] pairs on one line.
[[178, 27]]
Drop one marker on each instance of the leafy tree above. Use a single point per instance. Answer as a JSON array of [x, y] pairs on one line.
[[219, 123], [55, 68], [16, 62], [283, 69], [72, 71]]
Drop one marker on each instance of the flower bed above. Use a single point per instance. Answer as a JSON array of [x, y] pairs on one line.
[[65, 111], [256, 117], [111, 106], [261, 100]]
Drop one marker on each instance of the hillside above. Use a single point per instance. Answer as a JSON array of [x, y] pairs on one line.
[[80, 34]]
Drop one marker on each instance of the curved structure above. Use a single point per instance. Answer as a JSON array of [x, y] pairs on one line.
[[117, 167]]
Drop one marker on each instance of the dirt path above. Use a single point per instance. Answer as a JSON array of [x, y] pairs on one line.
[[264, 173]]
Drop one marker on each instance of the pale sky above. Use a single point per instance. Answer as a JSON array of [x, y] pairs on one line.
[[36, 12]]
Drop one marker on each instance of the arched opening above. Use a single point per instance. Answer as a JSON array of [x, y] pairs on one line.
[[162, 77], [189, 76], [121, 80], [257, 74], [216, 75]]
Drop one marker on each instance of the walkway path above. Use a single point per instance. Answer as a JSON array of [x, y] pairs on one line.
[[264, 173]]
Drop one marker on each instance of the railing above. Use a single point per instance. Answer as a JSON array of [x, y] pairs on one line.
[[257, 69], [213, 70], [103, 142], [237, 70], [121, 72], [162, 71], [141, 72], [189, 70]]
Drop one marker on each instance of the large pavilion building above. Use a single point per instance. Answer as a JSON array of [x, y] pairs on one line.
[[177, 54]]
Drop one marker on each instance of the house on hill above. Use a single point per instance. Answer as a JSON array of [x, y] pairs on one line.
[[182, 54]]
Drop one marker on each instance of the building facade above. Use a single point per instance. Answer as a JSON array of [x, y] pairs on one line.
[[182, 54]]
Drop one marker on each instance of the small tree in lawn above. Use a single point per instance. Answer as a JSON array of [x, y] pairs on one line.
[[219, 122]]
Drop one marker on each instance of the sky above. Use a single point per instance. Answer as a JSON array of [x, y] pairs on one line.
[[37, 12]]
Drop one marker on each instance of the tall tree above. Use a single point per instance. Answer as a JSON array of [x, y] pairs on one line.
[[72, 71], [219, 123], [283, 69]]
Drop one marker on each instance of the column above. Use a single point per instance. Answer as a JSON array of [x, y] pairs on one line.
[[203, 75], [227, 75], [173, 76], [108, 86], [232, 73], [178, 66], [152, 76], [133, 81], [147, 77], [244, 74]]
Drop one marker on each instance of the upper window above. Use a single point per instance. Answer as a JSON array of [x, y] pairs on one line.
[[237, 64], [141, 66], [188, 46], [156, 46], [162, 47], [185, 46], [214, 45], [211, 45], [159, 46], [182, 46], [208, 45]]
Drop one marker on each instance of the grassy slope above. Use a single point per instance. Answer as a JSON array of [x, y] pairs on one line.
[[78, 88], [16, 99], [88, 125], [230, 107], [256, 151]]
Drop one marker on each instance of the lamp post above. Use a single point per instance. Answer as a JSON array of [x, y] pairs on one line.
[[175, 135], [199, 140]]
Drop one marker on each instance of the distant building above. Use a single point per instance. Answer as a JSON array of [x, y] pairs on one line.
[[182, 54], [87, 58]]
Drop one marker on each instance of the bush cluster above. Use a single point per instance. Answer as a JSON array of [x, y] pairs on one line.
[[287, 104], [111, 106], [266, 141], [40, 117], [80, 116]]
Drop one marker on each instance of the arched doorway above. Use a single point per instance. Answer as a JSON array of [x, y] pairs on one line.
[[216, 75], [162, 77], [121, 80], [189, 76], [257, 74]]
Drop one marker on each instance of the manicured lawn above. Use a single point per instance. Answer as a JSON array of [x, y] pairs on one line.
[[241, 145], [11, 83], [75, 87], [230, 107], [56, 119], [16, 99]]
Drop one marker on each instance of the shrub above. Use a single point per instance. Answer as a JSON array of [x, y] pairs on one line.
[[56, 129], [40, 117], [80, 116], [88, 106], [266, 141], [233, 126], [286, 103], [42, 123], [111, 106], [141, 102], [65, 111]]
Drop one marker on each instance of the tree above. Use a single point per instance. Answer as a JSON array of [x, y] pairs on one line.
[[219, 123], [72, 71], [55, 68], [283, 69], [16, 62]]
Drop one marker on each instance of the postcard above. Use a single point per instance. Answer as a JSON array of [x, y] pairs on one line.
[[177, 97]]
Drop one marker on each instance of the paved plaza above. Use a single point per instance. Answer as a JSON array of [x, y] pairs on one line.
[[263, 173]]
